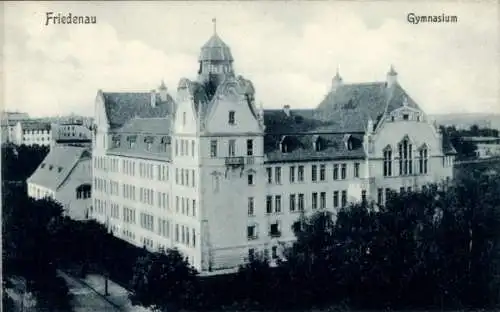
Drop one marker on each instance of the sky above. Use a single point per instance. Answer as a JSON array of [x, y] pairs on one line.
[[290, 50]]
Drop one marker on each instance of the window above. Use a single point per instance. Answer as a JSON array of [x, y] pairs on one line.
[[344, 198], [405, 116], [387, 162], [363, 196], [292, 174], [408, 189], [343, 171], [274, 230], [301, 202], [356, 170], [269, 204], [192, 147], [274, 252], [292, 202], [231, 118], [251, 254], [251, 206], [423, 160], [300, 174], [314, 200], [322, 169], [277, 203], [249, 147], [335, 172], [250, 179], [184, 118], [314, 173], [251, 232], [213, 148], [335, 199], [269, 175], [387, 193], [322, 200], [379, 196], [277, 175], [405, 157], [231, 147]]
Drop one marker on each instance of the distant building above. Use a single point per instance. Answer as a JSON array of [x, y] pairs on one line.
[[71, 133], [486, 146], [65, 175], [8, 124], [221, 179]]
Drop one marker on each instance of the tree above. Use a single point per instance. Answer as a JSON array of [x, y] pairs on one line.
[[163, 279]]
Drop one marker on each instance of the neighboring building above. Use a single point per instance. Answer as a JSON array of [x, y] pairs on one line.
[[486, 146], [8, 124], [221, 179], [71, 133], [65, 175], [33, 133]]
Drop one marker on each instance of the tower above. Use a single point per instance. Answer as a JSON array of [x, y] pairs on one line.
[[392, 77], [336, 81], [216, 60]]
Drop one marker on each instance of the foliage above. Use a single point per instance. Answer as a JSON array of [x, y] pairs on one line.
[[435, 248], [19, 162], [161, 279], [28, 246], [465, 149]]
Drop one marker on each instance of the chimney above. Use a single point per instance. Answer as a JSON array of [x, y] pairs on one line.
[[392, 77], [153, 98], [286, 109]]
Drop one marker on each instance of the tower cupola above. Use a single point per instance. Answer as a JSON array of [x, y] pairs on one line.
[[216, 60]]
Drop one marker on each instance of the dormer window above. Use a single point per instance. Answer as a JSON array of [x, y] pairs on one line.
[[165, 141], [348, 142], [392, 118], [131, 141], [284, 144], [317, 143], [149, 143], [59, 169], [406, 117], [50, 167], [42, 166], [116, 141], [231, 118]]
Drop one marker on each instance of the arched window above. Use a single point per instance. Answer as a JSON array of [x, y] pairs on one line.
[[317, 143], [405, 157], [83, 191], [423, 160], [388, 161]]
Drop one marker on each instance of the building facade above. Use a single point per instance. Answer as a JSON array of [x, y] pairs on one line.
[[219, 178], [65, 175], [487, 147]]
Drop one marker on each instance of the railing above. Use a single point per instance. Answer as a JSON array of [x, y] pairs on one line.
[[250, 160], [233, 161], [275, 234]]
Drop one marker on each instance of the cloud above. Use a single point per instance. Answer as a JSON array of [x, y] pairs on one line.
[[290, 50]]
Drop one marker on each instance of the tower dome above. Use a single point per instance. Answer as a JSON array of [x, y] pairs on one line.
[[215, 50]]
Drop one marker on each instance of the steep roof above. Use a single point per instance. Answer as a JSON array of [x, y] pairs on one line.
[[301, 147], [57, 166], [215, 50], [351, 105], [122, 106]]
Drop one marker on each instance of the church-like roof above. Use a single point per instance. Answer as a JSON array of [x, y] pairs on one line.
[[57, 166], [352, 105], [122, 106], [215, 50]]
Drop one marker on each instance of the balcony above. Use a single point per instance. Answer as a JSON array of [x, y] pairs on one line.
[[250, 160], [275, 234], [235, 161]]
